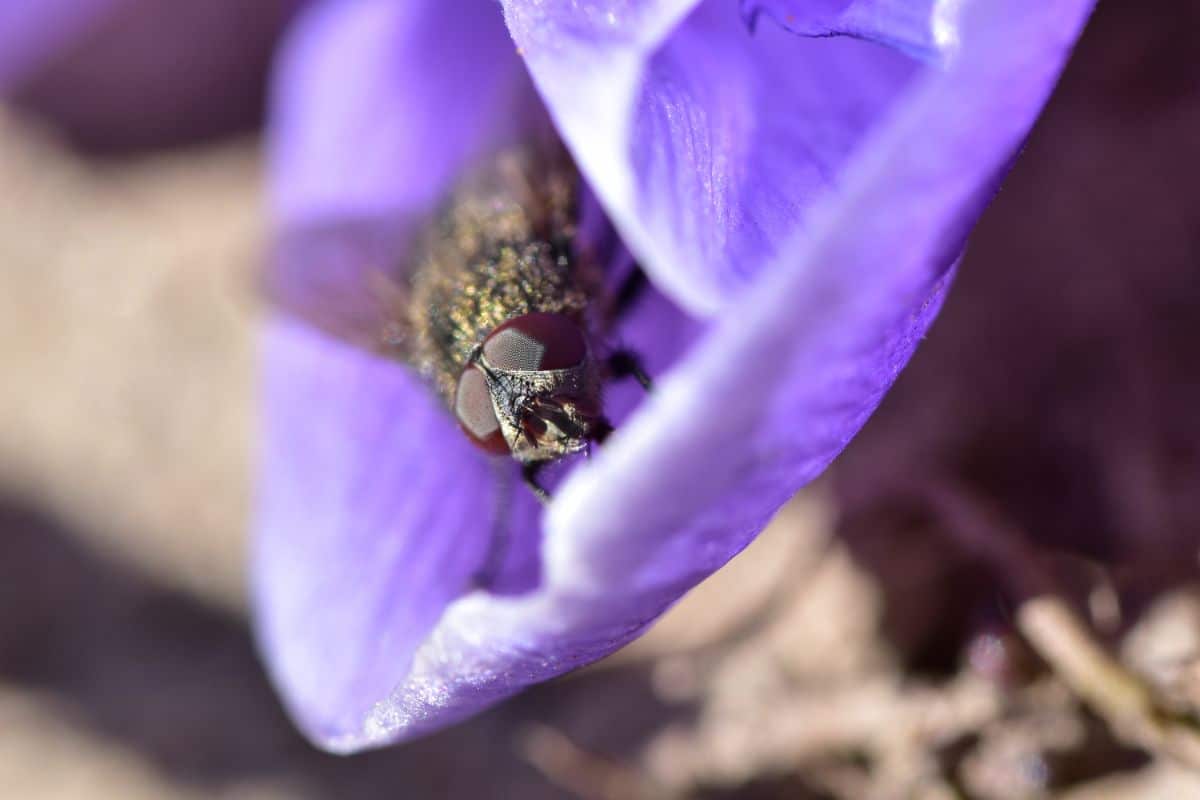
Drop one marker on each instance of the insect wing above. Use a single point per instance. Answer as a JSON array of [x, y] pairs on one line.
[[343, 279]]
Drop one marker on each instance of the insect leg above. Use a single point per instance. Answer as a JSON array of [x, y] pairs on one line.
[[529, 473], [627, 293], [624, 363], [600, 430]]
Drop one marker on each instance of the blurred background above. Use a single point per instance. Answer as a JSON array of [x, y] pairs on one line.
[[993, 593]]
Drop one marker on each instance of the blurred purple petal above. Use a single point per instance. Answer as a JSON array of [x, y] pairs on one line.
[[772, 393], [378, 105], [33, 31], [363, 528]]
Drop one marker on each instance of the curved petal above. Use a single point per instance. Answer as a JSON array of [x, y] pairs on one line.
[[33, 31], [759, 406], [795, 368], [359, 547], [709, 146]]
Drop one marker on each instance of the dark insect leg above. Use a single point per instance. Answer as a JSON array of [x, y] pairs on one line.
[[624, 363], [627, 293], [600, 430], [529, 473]]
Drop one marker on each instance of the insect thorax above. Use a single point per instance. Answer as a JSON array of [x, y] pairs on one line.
[[503, 246]]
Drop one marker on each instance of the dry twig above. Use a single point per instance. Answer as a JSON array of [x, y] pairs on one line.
[[1127, 703]]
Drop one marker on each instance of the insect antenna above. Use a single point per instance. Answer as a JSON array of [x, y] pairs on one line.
[[625, 364], [627, 294]]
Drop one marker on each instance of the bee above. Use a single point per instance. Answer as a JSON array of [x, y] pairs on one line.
[[505, 312]]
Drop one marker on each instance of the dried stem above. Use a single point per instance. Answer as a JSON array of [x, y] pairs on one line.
[[587, 775], [1131, 707], [1126, 702]]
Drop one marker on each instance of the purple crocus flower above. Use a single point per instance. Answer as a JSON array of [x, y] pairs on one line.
[[797, 179]]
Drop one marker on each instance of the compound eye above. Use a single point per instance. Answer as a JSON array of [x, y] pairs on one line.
[[474, 411], [536, 341]]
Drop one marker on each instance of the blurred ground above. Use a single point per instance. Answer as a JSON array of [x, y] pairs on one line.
[[1045, 439], [126, 319]]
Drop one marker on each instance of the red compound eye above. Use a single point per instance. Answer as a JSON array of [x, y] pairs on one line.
[[536, 342], [474, 411]]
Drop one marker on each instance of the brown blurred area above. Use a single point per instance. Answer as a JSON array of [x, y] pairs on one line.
[[1045, 438], [1058, 393], [154, 74]]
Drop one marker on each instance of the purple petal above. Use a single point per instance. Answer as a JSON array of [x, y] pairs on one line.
[[34, 31], [708, 146], [355, 563], [359, 542], [378, 105], [926, 29]]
